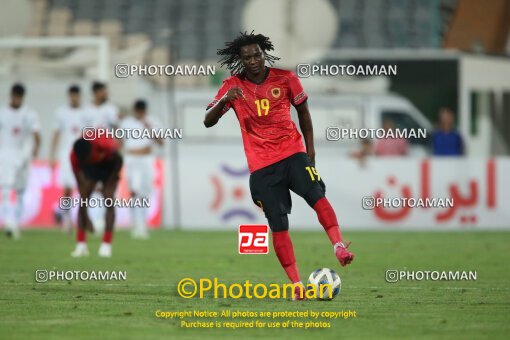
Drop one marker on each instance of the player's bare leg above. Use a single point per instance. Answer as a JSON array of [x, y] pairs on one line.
[[105, 250], [18, 212], [66, 213], [12, 212], [7, 210], [327, 218], [139, 217], [85, 187], [84, 222]]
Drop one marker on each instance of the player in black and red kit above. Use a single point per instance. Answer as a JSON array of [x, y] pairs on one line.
[[278, 161], [95, 161]]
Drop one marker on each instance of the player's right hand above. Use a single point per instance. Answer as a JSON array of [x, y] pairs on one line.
[[232, 94]]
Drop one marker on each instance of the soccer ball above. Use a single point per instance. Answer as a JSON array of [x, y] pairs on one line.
[[322, 277]]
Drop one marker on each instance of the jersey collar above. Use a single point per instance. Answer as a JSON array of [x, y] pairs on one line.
[[268, 71]]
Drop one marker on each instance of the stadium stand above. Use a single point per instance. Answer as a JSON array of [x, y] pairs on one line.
[[417, 23], [178, 31]]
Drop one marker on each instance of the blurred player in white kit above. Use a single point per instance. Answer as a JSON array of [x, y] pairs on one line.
[[19, 143], [100, 114], [69, 123], [139, 163]]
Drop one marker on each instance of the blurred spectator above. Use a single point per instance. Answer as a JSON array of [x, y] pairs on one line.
[[390, 146], [446, 140]]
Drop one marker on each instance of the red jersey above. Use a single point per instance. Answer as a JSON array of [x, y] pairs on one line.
[[103, 149], [269, 134]]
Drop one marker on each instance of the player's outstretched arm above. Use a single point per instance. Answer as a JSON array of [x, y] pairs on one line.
[[37, 144], [214, 113], [305, 124]]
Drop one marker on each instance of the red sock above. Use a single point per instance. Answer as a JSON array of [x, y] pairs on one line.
[[81, 235], [107, 236], [327, 218], [285, 253]]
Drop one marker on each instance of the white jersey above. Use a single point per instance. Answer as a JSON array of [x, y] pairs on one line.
[[69, 122], [16, 130], [131, 123], [105, 115]]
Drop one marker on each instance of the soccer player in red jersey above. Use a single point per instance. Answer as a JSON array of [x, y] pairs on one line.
[[278, 160], [93, 161]]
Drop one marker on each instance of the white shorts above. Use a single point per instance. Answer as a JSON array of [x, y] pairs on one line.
[[66, 177], [140, 174], [14, 175]]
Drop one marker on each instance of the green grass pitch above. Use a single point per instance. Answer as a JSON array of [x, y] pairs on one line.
[[126, 310]]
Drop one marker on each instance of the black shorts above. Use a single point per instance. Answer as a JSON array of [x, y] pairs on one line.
[[270, 186], [104, 171]]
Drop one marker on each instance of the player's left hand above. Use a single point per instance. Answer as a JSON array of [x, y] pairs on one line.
[[311, 154]]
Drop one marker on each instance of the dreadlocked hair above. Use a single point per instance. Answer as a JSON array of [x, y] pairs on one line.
[[231, 53]]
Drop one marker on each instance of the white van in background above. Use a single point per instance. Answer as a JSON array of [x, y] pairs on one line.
[[328, 110], [358, 111]]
